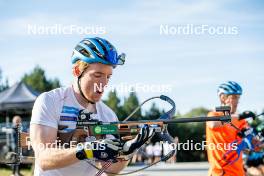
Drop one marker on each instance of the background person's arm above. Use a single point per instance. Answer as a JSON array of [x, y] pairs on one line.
[[216, 124], [47, 156]]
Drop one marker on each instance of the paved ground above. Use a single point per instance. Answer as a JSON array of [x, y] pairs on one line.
[[178, 169]]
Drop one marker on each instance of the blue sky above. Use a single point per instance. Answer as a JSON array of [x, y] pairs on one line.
[[194, 65]]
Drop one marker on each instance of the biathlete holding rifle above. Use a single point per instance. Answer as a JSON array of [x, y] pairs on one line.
[[93, 61], [224, 133]]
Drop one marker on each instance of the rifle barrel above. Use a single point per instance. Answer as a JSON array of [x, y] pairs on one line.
[[181, 120]]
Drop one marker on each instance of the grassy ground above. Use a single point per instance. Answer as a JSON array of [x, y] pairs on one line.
[[7, 172]]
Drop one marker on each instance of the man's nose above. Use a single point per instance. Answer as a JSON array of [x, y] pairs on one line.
[[104, 81]]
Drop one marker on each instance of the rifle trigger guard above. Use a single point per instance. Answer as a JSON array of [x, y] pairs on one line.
[[86, 129]]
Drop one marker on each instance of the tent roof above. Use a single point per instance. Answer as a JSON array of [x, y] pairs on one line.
[[19, 96]]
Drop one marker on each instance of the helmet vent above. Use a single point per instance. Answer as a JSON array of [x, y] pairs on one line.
[[85, 53]]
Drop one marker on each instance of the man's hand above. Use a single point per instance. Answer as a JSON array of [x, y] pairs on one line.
[[247, 114], [144, 135], [105, 150]]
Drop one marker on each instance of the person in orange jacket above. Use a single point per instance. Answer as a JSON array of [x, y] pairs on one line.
[[222, 135]]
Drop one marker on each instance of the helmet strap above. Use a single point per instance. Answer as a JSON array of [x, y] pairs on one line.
[[80, 90]]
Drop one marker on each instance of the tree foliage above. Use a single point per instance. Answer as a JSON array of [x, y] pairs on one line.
[[3, 83], [39, 82]]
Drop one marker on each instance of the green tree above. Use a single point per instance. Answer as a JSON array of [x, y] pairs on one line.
[[123, 110], [113, 101], [194, 132], [130, 104], [38, 80], [3, 83], [200, 111], [115, 104], [153, 113]]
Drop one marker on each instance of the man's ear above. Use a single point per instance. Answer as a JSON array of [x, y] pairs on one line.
[[76, 71]]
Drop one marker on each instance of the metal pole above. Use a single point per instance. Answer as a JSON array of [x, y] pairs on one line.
[[7, 134]]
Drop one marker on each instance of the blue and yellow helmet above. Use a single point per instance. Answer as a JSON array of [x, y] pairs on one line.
[[97, 50]]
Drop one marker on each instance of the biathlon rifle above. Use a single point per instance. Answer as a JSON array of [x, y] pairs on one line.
[[124, 130]]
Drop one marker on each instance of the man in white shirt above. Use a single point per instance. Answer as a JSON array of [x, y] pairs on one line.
[[157, 151], [93, 61], [149, 151]]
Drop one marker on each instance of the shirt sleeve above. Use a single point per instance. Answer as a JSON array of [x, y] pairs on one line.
[[243, 124], [113, 115], [44, 111], [106, 113]]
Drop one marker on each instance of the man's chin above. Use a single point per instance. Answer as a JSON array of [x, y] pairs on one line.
[[97, 98]]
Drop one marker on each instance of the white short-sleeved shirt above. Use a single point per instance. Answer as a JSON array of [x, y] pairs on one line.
[[157, 149], [60, 107], [149, 150]]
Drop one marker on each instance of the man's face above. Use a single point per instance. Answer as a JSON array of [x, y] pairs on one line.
[[231, 100], [93, 80], [16, 120]]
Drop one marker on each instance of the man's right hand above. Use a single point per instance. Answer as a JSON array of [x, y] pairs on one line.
[[105, 150], [247, 114], [145, 134]]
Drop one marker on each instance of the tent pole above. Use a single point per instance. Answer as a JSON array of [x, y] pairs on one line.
[[7, 135]]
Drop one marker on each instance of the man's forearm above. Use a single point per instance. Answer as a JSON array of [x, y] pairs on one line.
[[48, 155], [52, 158]]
